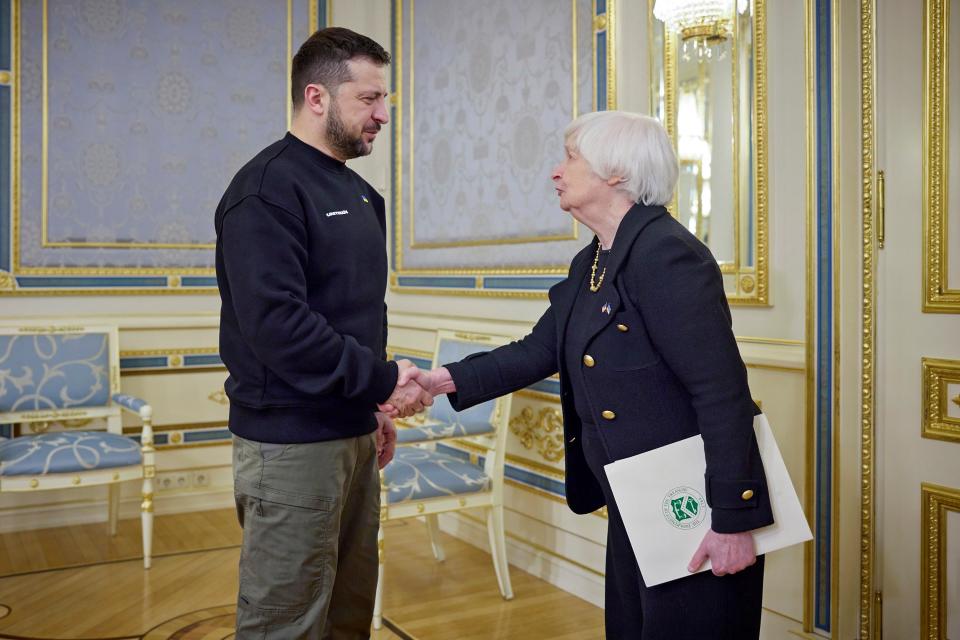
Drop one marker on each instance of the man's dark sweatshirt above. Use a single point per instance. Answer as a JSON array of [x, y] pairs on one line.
[[302, 270]]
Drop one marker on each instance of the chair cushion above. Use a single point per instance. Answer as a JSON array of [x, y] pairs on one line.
[[440, 430], [66, 452], [418, 474]]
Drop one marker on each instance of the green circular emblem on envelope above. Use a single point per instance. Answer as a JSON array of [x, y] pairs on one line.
[[683, 507]]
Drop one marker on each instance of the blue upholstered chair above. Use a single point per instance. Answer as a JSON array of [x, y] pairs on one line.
[[447, 461], [65, 375]]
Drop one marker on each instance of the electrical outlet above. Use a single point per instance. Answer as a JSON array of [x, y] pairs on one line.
[[173, 481]]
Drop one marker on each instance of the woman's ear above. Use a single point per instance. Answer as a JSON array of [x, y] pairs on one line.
[[613, 181]]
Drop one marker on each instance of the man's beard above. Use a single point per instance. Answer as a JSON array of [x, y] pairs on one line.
[[341, 141]]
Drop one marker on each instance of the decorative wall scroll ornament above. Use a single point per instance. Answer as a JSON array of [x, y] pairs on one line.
[[7, 281], [543, 431], [219, 396]]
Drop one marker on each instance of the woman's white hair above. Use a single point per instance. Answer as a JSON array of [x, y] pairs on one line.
[[630, 146]]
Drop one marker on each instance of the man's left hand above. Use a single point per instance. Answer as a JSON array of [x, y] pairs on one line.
[[728, 552], [386, 440]]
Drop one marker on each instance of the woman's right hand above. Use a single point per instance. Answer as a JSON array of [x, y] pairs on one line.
[[436, 381], [432, 382]]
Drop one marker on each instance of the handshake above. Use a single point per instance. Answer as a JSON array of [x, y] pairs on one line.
[[416, 389]]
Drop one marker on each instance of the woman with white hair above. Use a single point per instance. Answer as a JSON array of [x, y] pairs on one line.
[[640, 333]]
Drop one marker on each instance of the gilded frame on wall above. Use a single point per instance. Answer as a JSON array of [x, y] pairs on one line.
[[937, 422], [491, 279], [936, 501], [746, 284], [938, 296], [16, 278]]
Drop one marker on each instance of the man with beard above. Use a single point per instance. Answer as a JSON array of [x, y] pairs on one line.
[[302, 271]]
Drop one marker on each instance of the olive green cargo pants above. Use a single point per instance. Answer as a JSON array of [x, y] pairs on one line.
[[309, 513]]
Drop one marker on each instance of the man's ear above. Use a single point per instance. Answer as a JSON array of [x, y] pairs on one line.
[[316, 98]]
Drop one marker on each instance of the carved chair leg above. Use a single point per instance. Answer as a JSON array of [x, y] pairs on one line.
[[113, 506], [149, 471], [146, 522], [433, 530], [498, 549], [378, 600]]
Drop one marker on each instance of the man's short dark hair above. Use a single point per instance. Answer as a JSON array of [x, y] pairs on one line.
[[322, 59]]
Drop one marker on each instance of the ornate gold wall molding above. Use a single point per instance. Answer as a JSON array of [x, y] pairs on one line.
[[938, 376], [938, 297], [868, 311], [749, 281], [936, 502], [542, 431]]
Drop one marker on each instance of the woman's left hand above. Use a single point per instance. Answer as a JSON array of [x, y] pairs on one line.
[[728, 552]]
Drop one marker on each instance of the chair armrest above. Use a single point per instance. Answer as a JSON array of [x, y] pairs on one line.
[[140, 407], [133, 405]]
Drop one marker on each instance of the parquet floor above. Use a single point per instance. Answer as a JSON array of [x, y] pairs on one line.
[[77, 583]]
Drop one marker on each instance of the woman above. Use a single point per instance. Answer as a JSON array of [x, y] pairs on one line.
[[640, 333]]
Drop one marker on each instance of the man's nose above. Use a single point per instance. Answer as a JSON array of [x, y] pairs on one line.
[[381, 114]]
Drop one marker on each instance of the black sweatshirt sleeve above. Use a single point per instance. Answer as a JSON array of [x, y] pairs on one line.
[[265, 255]]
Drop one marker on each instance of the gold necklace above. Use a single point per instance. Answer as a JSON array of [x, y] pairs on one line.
[[595, 286]]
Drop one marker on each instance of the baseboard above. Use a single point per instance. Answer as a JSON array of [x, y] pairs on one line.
[[561, 573], [92, 511]]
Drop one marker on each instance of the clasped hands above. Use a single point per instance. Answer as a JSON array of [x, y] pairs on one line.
[[415, 389]]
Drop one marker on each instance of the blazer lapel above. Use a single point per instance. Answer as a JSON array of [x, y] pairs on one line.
[[607, 298], [638, 217], [563, 295]]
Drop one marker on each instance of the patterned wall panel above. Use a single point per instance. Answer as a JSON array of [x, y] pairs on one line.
[[483, 92], [129, 118]]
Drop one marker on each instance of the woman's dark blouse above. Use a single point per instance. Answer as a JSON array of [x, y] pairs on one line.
[[587, 304]]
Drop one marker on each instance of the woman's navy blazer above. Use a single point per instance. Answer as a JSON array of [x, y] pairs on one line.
[[662, 364]]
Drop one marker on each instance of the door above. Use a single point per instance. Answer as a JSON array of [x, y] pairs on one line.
[[917, 473]]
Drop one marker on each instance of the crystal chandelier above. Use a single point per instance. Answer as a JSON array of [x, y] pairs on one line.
[[703, 23]]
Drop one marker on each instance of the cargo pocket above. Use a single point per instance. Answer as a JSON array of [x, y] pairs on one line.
[[287, 559]]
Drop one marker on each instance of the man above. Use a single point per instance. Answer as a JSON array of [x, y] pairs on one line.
[[302, 271]]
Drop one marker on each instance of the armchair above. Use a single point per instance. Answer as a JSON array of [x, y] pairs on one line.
[[425, 480], [71, 374]]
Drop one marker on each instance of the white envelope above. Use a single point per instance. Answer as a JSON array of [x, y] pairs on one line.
[[661, 496]]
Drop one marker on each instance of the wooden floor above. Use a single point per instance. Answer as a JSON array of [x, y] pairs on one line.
[[77, 583], [28, 551]]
